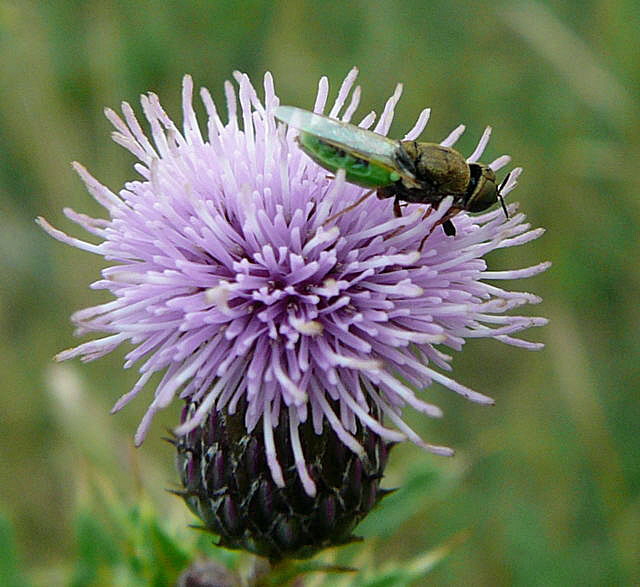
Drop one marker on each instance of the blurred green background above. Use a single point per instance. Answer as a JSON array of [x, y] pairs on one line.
[[547, 483]]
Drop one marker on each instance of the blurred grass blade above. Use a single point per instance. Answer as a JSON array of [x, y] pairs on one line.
[[412, 572], [572, 57]]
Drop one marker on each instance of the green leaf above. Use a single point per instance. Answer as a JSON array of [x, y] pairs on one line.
[[10, 574], [96, 549]]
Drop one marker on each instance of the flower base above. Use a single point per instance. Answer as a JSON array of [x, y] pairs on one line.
[[229, 486]]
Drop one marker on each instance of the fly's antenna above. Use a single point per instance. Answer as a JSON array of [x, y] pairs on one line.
[[499, 194]]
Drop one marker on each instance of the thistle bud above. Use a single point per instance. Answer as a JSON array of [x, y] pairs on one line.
[[229, 486]]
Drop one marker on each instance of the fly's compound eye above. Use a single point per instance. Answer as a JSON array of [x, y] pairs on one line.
[[483, 191]]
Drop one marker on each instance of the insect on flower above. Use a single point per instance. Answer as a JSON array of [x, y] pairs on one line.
[[409, 171]]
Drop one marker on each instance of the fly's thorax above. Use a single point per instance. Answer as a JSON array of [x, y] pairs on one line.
[[441, 169]]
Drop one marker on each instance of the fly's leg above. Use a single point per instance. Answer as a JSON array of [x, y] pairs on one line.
[[424, 217], [397, 212], [447, 226], [348, 208], [396, 208]]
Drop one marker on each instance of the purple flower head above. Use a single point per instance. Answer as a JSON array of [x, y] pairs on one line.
[[227, 278]]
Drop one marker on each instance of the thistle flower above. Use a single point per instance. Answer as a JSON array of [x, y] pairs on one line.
[[290, 340]]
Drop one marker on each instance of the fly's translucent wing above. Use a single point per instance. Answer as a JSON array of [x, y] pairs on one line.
[[357, 141]]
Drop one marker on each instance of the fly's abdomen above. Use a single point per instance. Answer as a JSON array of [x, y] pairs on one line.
[[364, 173]]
